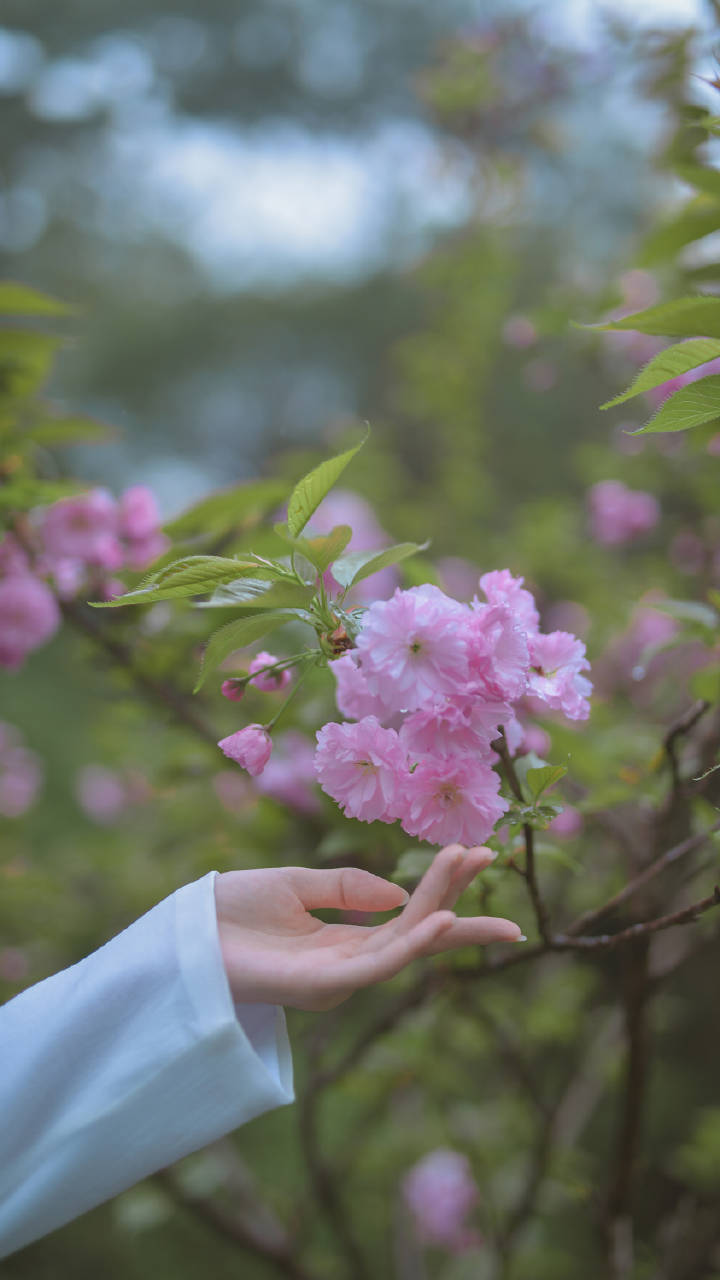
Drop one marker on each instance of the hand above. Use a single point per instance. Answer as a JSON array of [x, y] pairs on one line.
[[274, 951]]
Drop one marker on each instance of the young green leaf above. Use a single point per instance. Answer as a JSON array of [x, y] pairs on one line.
[[357, 565], [322, 550], [691, 406], [694, 223], [25, 360], [192, 576], [20, 300], [669, 364], [538, 780], [236, 635], [253, 593], [310, 491], [683, 318]]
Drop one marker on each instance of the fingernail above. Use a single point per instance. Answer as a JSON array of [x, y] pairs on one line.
[[522, 938], [406, 897]]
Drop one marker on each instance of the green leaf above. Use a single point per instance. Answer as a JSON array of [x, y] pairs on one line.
[[539, 780], [20, 300], [310, 491], [694, 223], [322, 550], [714, 597], [25, 360], [237, 508], [192, 576], [256, 594], [705, 684], [683, 318], [688, 611], [362, 564], [236, 635], [669, 364], [689, 407]]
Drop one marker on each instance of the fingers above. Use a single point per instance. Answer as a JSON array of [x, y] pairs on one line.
[[377, 966], [449, 873], [348, 888], [472, 931]]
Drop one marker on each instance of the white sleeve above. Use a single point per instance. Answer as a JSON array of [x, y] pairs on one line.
[[125, 1062]]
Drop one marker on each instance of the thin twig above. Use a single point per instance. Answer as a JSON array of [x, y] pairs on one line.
[[542, 917], [682, 726], [589, 918], [562, 942]]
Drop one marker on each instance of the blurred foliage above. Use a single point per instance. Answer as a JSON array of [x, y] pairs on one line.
[[488, 447]]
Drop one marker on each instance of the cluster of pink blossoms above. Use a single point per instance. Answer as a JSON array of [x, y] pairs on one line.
[[430, 684], [21, 773], [73, 543]]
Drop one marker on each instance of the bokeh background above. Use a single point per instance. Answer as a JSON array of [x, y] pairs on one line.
[[276, 221]]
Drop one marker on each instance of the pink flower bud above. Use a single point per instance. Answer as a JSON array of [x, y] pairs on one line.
[[233, 689], [268, 681], [250, 747]]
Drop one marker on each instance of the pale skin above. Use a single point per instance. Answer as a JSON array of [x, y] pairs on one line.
[[276, 952]]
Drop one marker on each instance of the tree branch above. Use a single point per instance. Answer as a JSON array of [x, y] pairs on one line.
[[589, 918]]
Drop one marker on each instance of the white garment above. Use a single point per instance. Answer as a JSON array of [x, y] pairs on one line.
[[125, 1062]]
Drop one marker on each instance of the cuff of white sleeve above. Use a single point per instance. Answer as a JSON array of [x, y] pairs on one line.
[[258, 1029]]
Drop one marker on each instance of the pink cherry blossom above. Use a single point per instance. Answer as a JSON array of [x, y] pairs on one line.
[[535, 739], [233, 689], [413, 648], [497, 651], [250, 747], [557, 661], [452, 799], [446, 729], [362, 766], [500, 587], [440, 1191], [268, 681], [84, 528], [138, 513], [352, 695], [618, 514], [29, 615], [290, 776]]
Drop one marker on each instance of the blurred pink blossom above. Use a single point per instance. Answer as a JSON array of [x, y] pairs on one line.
[[14, 965], [567, 615], [440, 1191], [84, 528], [342, 506], [21, 775], [29, 615], [618, 514], [235, 792], [458, 577], [13, 558], [140, 553], [289, 777], [535, 739], [687, 552], [713, 446], [101, 793], [138, 513], [567, 824], [519, 331], [540, 375]]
